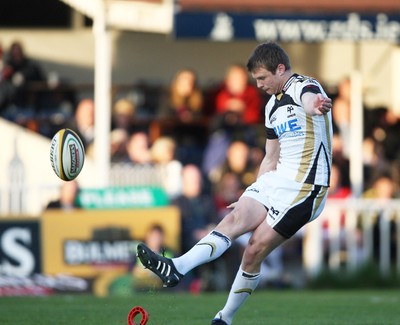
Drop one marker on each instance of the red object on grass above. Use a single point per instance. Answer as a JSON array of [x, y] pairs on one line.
[[136, 311]]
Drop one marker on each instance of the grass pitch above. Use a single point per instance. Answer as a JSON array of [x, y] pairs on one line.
[[352, 307]]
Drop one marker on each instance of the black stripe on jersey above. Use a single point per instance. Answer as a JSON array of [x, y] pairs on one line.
[[297, 216], [271, 134], [310, 89], [328, 167], [281, 100], [311, 175]]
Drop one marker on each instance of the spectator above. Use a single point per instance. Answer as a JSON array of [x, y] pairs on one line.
[[339, 159], [154, 238], [197, 207], [163, 155], [373, 158], [123, 115], [119, 140], [338, 188], [68, 197], [132, 163], [183, 99], [395, 172], [238, 106], [182, 105], [237, 161], [227, 191], [383, 188], [386, 132], [237, 95], [6, 88], [215, 151], [198, 211], [83, 122], [19, 71], [138, 149]]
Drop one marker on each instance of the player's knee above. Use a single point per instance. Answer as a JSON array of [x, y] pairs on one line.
[[253, 257], [228, 226], [242, 216], [256, 248], [236, 216], [259, 246]]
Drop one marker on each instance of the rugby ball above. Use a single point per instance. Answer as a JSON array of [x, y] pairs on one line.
[[67, 154]]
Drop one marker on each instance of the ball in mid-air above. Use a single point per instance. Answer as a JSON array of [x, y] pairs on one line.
[[67, 154]]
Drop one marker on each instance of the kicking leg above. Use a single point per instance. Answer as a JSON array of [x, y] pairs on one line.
[[261, 243], [245, 217]]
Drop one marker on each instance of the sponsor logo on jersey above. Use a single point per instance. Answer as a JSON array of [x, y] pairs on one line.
[[289, 126], [290, 112]]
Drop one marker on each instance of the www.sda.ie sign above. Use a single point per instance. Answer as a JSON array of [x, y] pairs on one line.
[[287, 28]]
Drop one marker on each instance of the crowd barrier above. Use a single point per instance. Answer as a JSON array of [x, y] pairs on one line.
[[351, 233]]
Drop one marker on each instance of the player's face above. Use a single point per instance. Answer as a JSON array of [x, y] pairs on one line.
[[267, 81]]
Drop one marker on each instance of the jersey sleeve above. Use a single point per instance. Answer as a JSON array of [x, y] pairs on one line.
[[271, 134], [309, 85]]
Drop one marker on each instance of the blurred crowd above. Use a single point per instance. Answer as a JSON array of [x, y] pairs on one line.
[[208, 141], [381, 147]]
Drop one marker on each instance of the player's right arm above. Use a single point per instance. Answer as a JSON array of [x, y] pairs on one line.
[[271, 158]]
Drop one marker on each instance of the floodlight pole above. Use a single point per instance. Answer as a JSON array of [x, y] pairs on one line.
[[102, 94]]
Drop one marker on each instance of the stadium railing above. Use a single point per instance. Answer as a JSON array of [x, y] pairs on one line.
[[351, 233]]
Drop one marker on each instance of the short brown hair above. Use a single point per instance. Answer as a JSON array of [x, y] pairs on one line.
[[268, 55]]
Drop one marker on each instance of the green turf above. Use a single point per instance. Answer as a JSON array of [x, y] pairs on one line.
[[351, 307]]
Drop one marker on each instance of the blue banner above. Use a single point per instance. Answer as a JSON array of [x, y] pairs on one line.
[[222, 26]]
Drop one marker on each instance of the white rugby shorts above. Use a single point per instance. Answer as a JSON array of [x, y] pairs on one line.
[[290, 204]]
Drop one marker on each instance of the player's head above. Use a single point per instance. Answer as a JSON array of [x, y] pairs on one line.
[[268, 55]]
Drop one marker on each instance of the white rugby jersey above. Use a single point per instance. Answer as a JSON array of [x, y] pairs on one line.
[[305, 140]]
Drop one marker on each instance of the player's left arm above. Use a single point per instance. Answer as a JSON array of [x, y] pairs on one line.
[[316, 104], [314, 100]]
